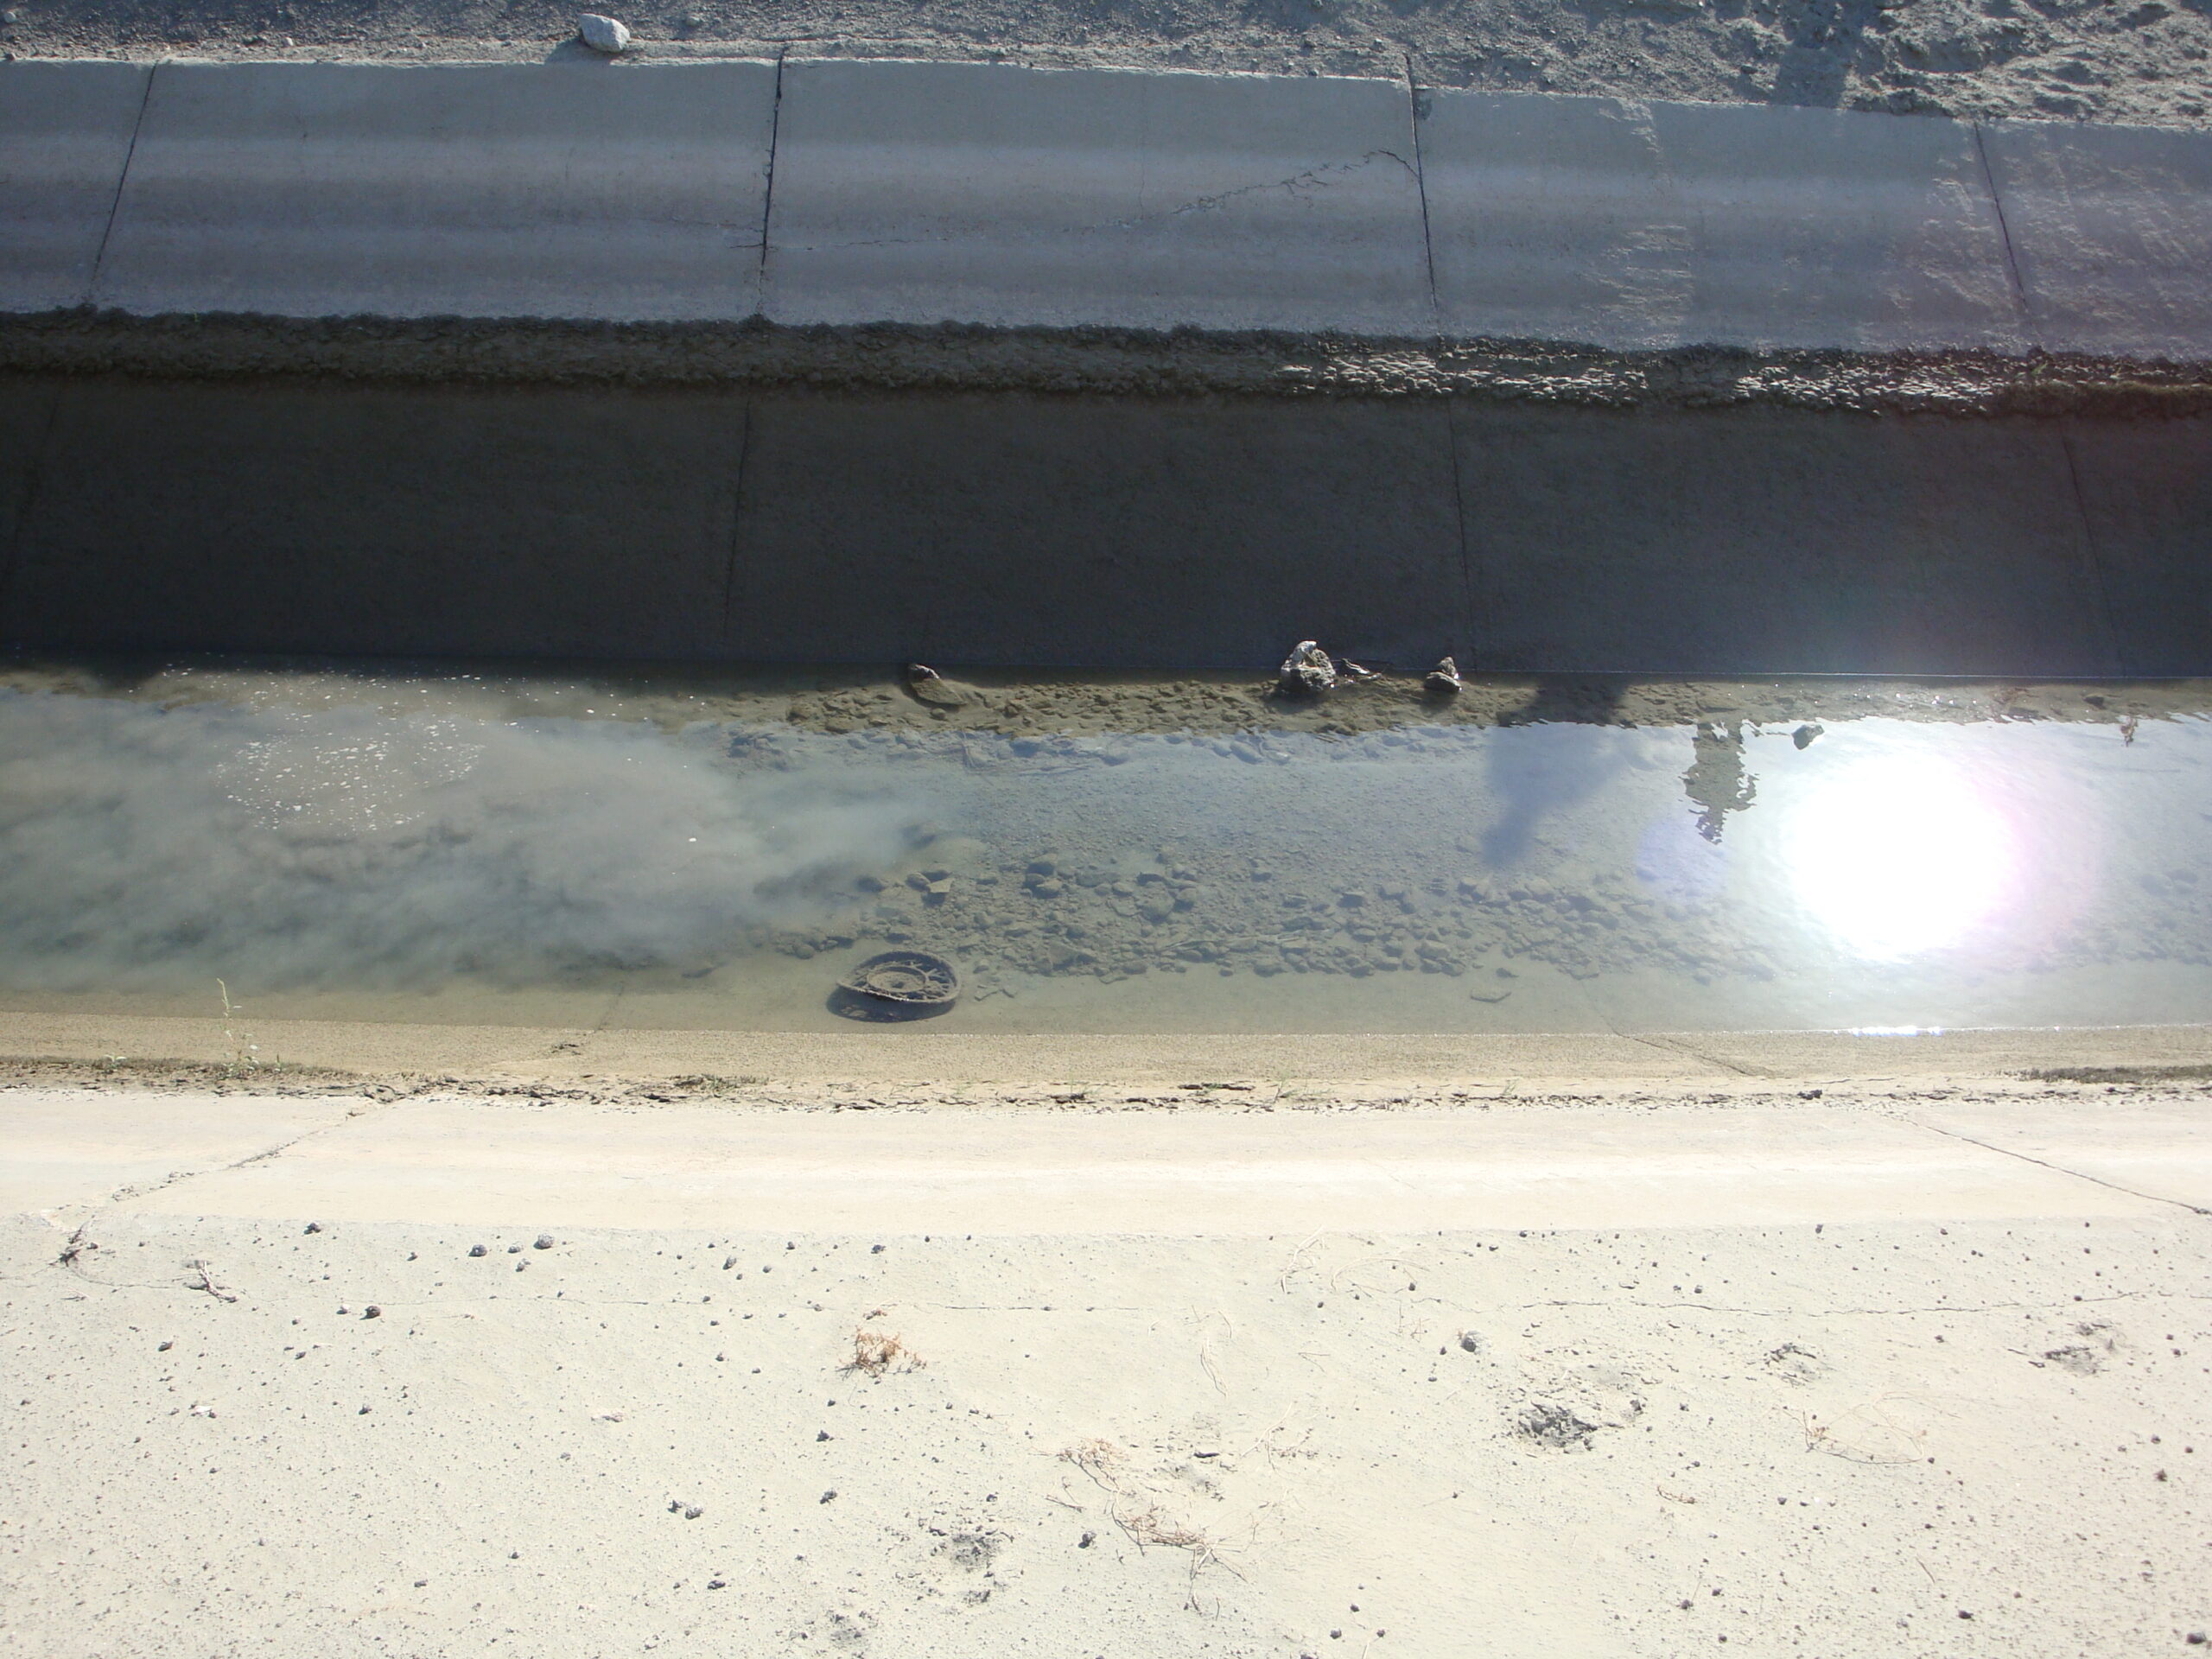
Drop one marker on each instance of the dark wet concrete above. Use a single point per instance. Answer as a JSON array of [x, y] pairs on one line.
[[1106, 532]]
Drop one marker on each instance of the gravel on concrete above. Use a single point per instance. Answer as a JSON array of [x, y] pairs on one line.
[[2054, 60]]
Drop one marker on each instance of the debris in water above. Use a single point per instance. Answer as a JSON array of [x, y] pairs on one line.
[[913, 978], [1443, 680], [603, 33], [1804, 736], [1307, 670]]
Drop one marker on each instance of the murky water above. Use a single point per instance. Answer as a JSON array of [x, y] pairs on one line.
[[342, 847]]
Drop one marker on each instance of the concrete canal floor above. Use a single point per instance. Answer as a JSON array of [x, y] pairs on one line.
[[1846, 1366]]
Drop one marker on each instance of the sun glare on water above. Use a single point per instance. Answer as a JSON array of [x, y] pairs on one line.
[[1901, 855]]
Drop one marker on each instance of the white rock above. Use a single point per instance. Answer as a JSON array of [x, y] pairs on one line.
[[602, 33], [1307, 670]]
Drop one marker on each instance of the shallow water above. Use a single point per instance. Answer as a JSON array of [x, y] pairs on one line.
[[342, 846]]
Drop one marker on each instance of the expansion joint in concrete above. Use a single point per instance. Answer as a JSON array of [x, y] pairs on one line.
[[768, 190]]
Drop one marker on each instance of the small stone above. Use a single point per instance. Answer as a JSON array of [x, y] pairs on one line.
[[692, 1512], [820, 1434], [313, 1227], [1307, 670], [163, 1347], [1443, 680], [478, 1249], [1804, 736], [1471, 1341], [603, 33], [831, 1493], [372, 1312], [514, 1249], [542, 1241]]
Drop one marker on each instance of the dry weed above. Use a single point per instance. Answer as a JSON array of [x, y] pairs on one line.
[[878, 1351]]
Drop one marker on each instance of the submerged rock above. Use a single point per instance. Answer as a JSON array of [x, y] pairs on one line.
[[1307, 670], [603, 33]]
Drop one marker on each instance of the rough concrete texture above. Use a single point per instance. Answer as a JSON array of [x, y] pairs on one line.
[[65, 132], [796, 527], [2113, 235], [2060, 59], [496, 190], [923, 193], [519, 1402], [917, 193], [1643, 225]]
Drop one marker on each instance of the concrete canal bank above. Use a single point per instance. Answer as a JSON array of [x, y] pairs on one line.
[[793, 361]]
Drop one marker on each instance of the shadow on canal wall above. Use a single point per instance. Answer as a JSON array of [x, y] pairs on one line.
[[1012, 528]]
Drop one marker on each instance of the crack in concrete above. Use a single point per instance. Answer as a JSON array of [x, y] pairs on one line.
[[1860, 1312], [2060, 1169], [123, 1195]]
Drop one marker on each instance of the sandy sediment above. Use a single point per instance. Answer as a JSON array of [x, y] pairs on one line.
[[1093, 362], [2063, 60], [845, 698]]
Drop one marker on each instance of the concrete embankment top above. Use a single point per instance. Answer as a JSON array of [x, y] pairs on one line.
[[854, 192]]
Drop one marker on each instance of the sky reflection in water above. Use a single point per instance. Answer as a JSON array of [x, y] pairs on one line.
[[1541, 877]]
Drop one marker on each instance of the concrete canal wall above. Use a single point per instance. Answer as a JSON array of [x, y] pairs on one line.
[[247, 504]]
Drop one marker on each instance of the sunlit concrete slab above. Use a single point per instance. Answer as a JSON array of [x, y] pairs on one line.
[[1661, 225], [2112, 227], [65, 133], [61, 1147], [928, 192], [1205, 1174], [574, 190], [2162, 1149], [1767, 541]]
